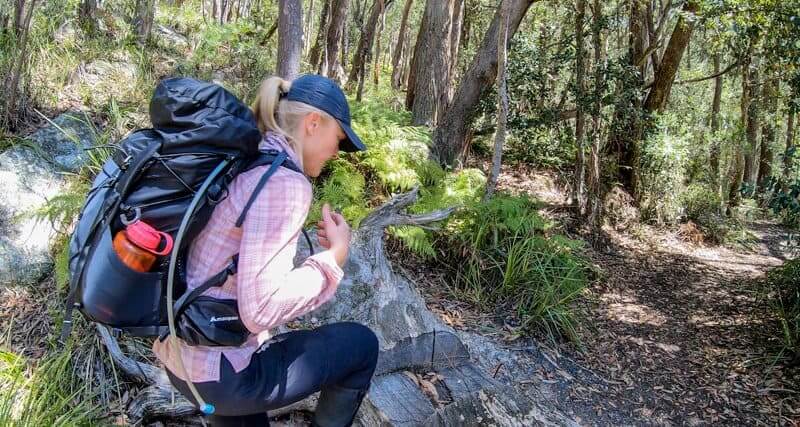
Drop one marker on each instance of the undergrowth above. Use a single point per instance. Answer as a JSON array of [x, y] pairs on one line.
[[782, 290]]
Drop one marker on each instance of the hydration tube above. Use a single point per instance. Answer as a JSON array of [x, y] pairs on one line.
[[205, 407]]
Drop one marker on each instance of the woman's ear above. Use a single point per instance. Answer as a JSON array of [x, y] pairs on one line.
[[312, 123]]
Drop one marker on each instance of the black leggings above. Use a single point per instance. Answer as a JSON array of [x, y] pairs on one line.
[[287, 369]]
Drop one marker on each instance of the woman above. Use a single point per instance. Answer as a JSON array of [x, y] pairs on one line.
[[309, 119]]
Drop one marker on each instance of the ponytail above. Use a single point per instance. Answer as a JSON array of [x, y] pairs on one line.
[[267, 102]]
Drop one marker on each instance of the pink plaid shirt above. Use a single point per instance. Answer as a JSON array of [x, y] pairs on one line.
[[269, 289]]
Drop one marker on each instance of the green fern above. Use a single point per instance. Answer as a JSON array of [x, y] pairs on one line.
[[63, 208], [343, 189], [417, 240]]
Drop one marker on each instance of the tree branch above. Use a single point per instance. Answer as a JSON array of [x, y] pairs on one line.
[[389, 214], [713, 76]]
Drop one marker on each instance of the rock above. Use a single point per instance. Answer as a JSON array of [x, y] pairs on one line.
[[31, 174], [170, 35], [65, 140], [65, 32], [100, 81]]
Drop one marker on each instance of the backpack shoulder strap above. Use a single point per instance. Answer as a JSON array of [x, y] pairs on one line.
[[266, 157], [275, 164]]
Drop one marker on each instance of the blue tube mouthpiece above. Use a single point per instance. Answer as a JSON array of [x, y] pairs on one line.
[[207, 409]]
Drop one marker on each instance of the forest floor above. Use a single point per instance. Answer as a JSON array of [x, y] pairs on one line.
[[672, 332]]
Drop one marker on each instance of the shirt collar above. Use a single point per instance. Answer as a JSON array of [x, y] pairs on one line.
[[275, 141]]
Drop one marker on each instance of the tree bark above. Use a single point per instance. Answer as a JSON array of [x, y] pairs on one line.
[[593, 182], [360, 57], [319, 41], [768, 133], [145, 11], [455, 42], [338, 15], [751, 129], [290, 38], [408, 57], [738, 166], [627, 127], [397, 71], [87, 13], [668, 67], [376, 61], [19, 63], [307, 31], [715, 106], [452, 136], [502, 102], [788, 154], [580, 118], [431, 69]]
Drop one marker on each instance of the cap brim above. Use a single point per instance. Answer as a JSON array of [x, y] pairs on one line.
[[353, 142]]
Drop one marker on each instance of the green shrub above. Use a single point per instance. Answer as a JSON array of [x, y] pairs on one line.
[[47, 395], [783, 293], [662, 174], [499, 255], [700, 202]]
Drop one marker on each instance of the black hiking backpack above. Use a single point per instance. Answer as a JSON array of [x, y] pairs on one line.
[[171, 177]]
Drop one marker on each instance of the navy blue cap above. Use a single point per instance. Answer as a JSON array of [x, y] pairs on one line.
[[325, 94]]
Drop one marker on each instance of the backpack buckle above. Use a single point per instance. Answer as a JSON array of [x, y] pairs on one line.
[[216, 194], [116, 332], [137, 215]]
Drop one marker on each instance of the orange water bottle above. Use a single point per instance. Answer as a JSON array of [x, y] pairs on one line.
[[139, 245]]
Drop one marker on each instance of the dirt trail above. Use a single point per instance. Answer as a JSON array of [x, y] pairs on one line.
[[679, 335]]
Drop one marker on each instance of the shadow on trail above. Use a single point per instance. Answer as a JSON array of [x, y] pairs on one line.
[[682, 336]]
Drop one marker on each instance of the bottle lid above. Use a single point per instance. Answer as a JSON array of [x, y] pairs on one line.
[[148, 238]]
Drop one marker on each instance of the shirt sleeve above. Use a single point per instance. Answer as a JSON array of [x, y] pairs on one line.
[[270, 291]]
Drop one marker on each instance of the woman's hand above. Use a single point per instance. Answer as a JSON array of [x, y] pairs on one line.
[[333, 234]]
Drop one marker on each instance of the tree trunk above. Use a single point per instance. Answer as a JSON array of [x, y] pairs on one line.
[[593, 181], [668, 67], [307, 31], [768, 133], [455, 42], [502, 102], [365, 45], [431, 69], [14, 100], [145, 11], [751, 129], [397, 71], [580, 119], [319, 41], [87, 14], [715, 106], [376, 57], [408, 57], [627, 127], [290, 38], [452, 136], [338, 12], [738, 167], [788, 155]]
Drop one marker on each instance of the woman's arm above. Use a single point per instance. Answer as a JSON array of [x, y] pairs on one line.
[[270, 291]]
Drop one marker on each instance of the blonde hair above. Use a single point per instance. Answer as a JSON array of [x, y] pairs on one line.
[[280, 115]]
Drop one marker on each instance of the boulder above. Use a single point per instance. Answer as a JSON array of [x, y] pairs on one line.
[[31, 173]]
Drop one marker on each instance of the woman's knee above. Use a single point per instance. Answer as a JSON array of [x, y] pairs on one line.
[[358, 337]]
